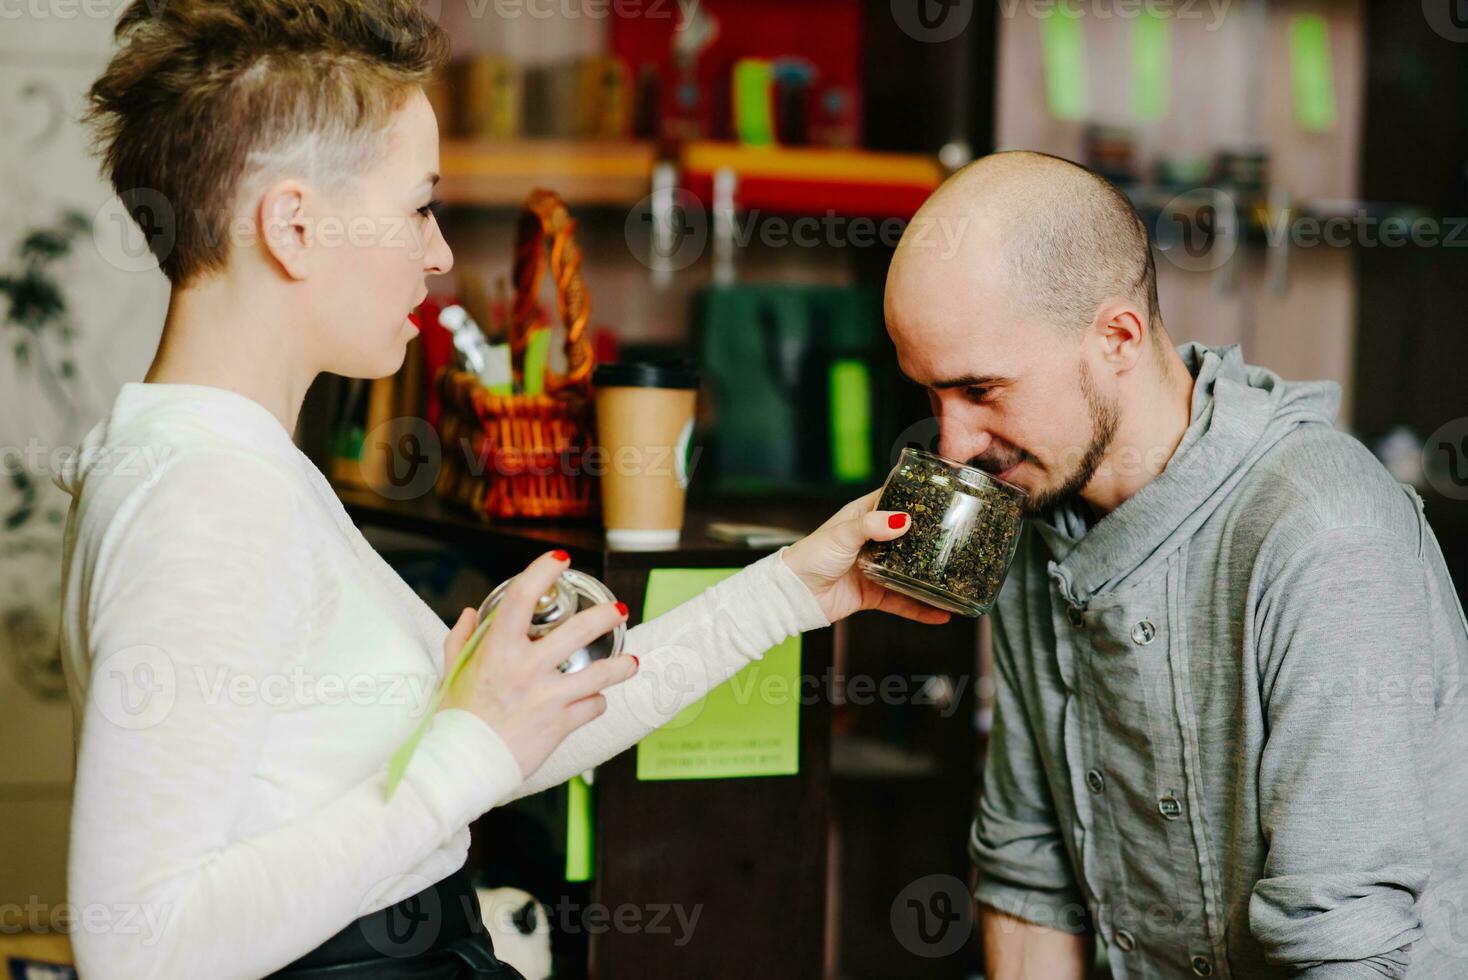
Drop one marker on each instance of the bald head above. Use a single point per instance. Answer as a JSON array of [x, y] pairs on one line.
[[1067, 241]]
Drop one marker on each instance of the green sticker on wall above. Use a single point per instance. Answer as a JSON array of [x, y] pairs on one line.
[[747, 726], [1151, 65], [1063, 46], [1311, 72]]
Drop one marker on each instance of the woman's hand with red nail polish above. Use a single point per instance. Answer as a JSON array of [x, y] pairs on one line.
[[825, 560], [513, 682]]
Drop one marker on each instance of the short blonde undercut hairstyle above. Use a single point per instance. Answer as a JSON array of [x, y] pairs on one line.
[[204, 98]]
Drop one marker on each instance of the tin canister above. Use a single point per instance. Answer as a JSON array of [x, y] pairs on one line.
[[572, 592]]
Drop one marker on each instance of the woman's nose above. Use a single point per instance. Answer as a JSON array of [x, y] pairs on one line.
[[439, 258]]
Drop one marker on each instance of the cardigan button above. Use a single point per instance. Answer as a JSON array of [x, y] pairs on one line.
[[1144, 633], [1202, 966]]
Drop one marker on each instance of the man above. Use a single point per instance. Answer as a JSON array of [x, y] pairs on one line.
[[1227, 736]]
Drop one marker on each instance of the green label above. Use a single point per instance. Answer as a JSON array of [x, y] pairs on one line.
[[1310, 68], [537, 352], [580, 850], [1151, 65], [754, 121], [1064, 55], [851, 421], [747, 726]]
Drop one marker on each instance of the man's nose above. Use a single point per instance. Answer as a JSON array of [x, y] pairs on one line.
[[960, 444]]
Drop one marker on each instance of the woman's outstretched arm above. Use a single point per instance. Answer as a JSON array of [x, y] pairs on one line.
[[684, 654], [697, 646]]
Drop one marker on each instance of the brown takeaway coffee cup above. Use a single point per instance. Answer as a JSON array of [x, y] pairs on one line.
[[644, 424]]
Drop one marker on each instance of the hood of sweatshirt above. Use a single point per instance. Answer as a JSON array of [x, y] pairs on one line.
[[1238, 412]]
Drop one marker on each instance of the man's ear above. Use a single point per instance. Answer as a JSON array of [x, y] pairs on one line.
[[1121, 333], [284, 229]]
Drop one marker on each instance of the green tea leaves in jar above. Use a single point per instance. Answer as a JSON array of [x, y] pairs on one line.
[[965, 527]]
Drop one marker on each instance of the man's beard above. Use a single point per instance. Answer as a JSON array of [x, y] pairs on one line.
[[1103, 429], [1104, 416]]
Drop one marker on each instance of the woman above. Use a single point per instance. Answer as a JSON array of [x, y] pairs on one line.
[[241, 662]]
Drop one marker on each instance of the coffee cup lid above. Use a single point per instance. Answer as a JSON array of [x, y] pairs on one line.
[[646, 374]]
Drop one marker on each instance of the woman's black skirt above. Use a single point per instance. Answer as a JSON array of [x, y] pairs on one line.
[[437, 934]]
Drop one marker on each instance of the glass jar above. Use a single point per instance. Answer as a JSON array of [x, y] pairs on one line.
[[573, 592], [965, 528]]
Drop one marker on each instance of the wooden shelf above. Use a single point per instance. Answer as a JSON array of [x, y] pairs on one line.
[[814, 180], [502, 173], [813, 163]]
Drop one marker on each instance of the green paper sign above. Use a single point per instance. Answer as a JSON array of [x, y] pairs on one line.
[[1064, 54], [748, 726], [1310, 68], [1151, 65]]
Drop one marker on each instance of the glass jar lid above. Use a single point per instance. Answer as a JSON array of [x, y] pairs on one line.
[[573, 591]]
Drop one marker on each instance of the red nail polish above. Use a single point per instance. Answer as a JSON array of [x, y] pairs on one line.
[[622, 608], [636, 664], [560, 555], [896, 521]]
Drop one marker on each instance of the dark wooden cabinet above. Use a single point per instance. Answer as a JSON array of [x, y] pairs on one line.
[[789, 876]]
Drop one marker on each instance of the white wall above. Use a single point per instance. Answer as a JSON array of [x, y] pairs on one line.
[[50, 50], [1231, 89]]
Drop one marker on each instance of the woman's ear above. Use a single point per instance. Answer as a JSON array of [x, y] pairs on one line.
[[285, 229]]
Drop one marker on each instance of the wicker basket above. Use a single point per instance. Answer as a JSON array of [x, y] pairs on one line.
[[509, 456]]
